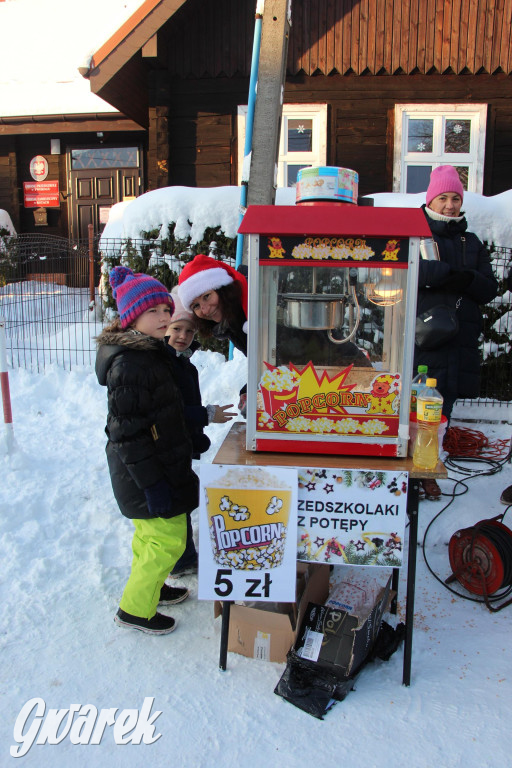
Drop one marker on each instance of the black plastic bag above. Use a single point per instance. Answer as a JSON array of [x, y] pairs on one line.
[[310, 687], [313, 690]]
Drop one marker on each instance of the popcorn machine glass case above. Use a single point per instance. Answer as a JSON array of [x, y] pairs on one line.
[[332, 305]]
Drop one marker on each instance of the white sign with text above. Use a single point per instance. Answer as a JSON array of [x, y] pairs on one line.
[[351, 516], [247, 533]]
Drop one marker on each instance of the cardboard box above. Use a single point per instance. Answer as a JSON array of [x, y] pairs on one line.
[[338, 641], [267, 631]]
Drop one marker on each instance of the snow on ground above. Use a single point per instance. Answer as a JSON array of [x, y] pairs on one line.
[[66, 557]]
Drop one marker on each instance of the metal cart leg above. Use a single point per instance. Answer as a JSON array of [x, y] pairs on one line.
[[412, 511], [394, 586], [224, 632]]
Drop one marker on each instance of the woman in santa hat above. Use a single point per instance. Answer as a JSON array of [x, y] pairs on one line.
[[217, 295]]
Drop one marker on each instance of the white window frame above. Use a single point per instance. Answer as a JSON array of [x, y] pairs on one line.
[[476, 113], [318, 155]]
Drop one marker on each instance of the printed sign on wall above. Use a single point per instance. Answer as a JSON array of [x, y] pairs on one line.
[[347, 516], [247, 533]]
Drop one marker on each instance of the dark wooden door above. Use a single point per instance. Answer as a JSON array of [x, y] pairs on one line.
[[98, 183]]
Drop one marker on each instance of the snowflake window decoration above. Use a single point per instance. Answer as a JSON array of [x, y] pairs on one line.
[[457, 128], [421, 146]]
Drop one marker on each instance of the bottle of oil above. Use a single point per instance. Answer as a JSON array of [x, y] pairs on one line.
[[418, 384], [430, 407]]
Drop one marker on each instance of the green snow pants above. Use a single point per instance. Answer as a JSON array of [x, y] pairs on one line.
[[157, 545]]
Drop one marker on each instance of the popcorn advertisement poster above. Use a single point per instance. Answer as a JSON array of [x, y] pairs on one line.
[[355, 517], [247, 533], [302, 401]]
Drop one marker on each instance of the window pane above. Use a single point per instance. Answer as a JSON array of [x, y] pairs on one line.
[[104, 157], [463, 172], [291, 174], [418, 177], [457, 136], [420, 138], [300, 135]]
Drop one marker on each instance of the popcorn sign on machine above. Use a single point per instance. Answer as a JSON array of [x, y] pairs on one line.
[[332, 305]]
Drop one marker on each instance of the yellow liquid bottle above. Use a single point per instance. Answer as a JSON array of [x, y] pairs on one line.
[[429, 412]]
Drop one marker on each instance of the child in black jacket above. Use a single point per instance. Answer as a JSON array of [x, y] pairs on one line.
[[181, 346], [149, 450]]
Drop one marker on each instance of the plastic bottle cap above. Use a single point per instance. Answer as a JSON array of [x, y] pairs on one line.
[[431, 382]]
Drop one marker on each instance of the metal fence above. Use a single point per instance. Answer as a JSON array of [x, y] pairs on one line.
[[49, 297], [49, 300]]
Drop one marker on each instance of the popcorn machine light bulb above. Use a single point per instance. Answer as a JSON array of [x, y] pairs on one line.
[[384, 291]]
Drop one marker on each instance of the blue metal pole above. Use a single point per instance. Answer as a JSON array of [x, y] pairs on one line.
[[253, 81], [249, 124]]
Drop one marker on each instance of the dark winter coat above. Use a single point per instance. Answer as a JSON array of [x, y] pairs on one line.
[[233, 331], [148, 440], [464, 271], [187, 380]]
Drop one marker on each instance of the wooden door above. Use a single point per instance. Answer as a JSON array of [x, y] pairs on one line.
[[98, 183]]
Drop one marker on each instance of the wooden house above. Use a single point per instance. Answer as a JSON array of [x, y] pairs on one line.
[[389, 88]]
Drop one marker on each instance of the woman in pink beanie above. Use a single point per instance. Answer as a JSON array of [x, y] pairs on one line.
[[462, 277]]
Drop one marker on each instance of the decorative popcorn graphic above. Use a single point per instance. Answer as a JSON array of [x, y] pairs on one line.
[[279, 386], [248, 510]]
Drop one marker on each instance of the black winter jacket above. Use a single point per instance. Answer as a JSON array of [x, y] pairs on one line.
[[148, 440], [463, 271], [233, 332], [196, 416]]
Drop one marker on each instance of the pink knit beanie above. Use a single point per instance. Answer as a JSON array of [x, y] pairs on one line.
[[444, 178], [180, 312]]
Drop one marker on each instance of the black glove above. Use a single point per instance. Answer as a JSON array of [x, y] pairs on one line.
[[158, 498], [457, 282]]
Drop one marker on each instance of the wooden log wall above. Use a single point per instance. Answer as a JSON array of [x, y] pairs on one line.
[[202, 123], [214, 37]]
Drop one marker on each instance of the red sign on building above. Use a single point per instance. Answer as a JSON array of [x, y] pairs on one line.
[[39, 194]]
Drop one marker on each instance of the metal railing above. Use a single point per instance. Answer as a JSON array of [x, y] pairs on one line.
[[49, 297], [49, 300]]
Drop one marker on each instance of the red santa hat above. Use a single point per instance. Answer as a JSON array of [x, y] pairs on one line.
[[204, 274]]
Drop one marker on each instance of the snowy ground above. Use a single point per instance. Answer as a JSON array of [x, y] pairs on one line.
[[66, 556]]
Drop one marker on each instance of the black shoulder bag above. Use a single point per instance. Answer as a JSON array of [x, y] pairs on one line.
[[437, 326]]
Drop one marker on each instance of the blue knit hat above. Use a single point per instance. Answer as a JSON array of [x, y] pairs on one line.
[[135, 292]]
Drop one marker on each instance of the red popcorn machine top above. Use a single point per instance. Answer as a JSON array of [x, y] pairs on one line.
[[332, 306]]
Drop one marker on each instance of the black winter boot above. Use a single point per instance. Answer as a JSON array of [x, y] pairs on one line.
[[156, 625], [172, 595]]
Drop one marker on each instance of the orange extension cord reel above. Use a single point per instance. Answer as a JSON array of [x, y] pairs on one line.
[[481, 559]]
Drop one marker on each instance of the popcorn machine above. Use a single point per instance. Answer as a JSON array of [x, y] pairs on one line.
[[332, 306]]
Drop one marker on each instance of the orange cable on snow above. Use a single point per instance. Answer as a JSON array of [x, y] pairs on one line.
[[461, 441]]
